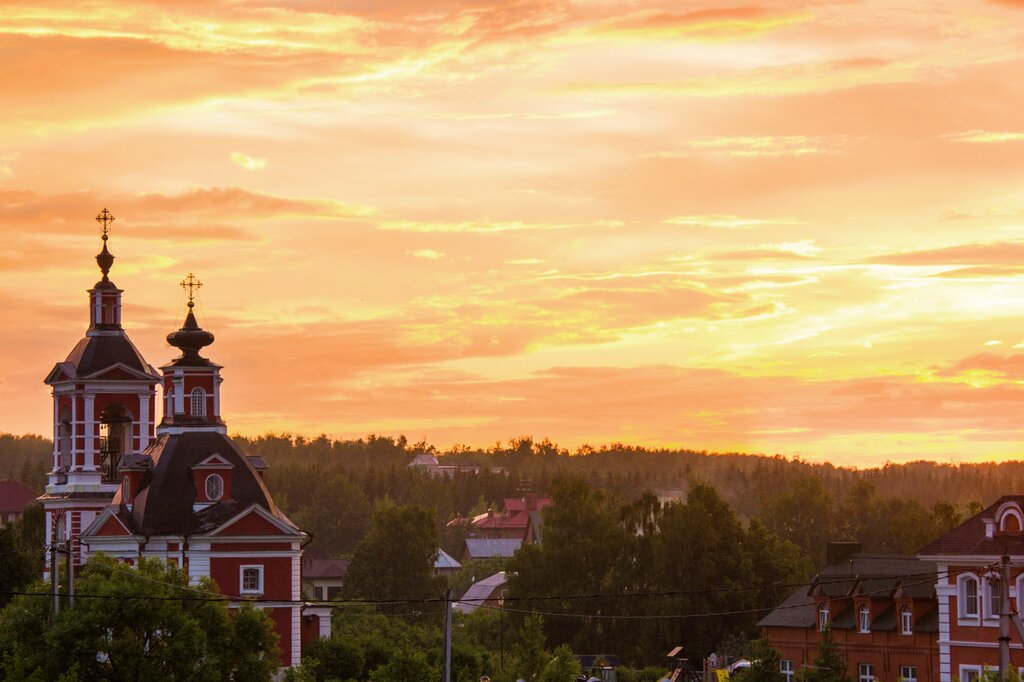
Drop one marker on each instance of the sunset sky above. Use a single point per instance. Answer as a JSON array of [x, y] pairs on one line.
[[790, 227]]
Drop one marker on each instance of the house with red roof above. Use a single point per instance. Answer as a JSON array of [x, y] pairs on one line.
[[514, 523], [14, 497]]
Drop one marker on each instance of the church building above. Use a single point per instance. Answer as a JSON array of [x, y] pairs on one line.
[[181, 491]]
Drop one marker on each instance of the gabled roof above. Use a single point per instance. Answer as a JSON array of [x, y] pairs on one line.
[[480, 591], [332, 569], [109, 523], [446, 561], [14, 496], [486, 548], [255, 520]]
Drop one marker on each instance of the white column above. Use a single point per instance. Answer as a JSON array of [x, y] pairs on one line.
[[56, 431], [74, 433], [179, 394], [217, 381], [89, 429], [97, 308], [143, 421]]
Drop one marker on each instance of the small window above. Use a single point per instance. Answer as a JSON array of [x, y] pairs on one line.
[[865, 672], [906, 620], [126, 489], [865, 619], [198, 402], [823, 618], [214, 487], [251, 580], [908, 673], [786, 668], [970, 673]]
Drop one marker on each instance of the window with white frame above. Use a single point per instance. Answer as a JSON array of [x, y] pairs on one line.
[[865, 672], [786, 668], [214, 487], [823, 617], [198, 402], [251, 579], [908, 673], [865, 618], [970, 673], [967, 596], [993, 596], [906, 620]]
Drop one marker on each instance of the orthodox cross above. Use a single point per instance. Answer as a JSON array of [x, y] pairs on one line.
[[191, 283], [104, 218]]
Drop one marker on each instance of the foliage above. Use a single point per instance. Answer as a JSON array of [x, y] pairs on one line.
[[142, 623], [563, 667], [17, 567], [829, 665], [764, 663], [395, 560]]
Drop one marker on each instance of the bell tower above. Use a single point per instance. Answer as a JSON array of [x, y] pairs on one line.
[[104, 398]]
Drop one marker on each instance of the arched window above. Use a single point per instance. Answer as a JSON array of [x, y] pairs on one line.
[[823, 617], [993, 596], [967, 596], [214, 487], [865, 619], [198, 402], [169, 396], [126, 489], [906, 620]]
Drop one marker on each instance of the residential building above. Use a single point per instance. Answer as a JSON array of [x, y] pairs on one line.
[[446, 564], [322, 578], [968, 589], [476, 549], [487, 592], [880, 609]]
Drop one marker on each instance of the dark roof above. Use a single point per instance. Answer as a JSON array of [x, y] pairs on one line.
[[102, 351], [876, 576], [164, 505], [969, 538], [14, 496], [537, 521], [324, 568]]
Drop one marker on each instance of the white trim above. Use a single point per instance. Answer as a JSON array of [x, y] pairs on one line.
[[218, 482], [1006, 509], [214, 461], [965, 617], [863, 619], [262, 512], [906, 624]]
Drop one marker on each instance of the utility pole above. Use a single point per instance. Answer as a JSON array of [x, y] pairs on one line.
[[1004, 617], [447, 635], [69, 562], [54, 593]]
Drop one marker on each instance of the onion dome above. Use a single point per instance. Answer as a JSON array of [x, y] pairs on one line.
[[191, 338]]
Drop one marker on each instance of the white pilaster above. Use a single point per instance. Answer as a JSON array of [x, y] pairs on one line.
[[217, 381], [179, 394], [89, 428], [74, 434], [143, 421]]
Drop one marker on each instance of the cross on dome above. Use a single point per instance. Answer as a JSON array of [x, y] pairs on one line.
[[105, 217], [191, 283]]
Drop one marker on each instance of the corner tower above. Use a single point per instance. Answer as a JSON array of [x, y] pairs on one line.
[[104, 397]]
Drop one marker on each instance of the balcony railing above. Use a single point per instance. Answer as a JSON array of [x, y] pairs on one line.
[[110, 457]]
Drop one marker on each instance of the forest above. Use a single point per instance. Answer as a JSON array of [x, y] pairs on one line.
[[725, 535]]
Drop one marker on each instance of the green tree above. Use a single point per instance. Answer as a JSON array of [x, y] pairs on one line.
[[564, 667], [143, 623], [396, 558], [829, 665], [764, 664], [17, 567]]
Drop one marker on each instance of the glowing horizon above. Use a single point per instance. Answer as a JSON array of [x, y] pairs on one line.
[[791, 228]]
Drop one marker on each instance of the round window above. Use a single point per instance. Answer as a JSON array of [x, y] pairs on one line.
[[214, 487]]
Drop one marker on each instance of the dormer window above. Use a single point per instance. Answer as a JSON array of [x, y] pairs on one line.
[[906, 621], [865, 618], [823, 617], [198, 402], [214, 487]]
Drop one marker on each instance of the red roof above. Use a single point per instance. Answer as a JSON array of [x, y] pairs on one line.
[[14, 496], [528, 503], [520, 520]]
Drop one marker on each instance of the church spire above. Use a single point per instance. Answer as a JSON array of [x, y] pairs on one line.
[[191, 338], [105, 259]]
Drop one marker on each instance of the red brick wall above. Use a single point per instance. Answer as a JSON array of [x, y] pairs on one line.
[[277, 575]]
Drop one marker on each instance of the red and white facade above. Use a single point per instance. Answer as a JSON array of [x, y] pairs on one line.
[[184, 492], [968, 560]]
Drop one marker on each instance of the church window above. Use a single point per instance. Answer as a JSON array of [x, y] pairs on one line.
[[214, 487], [198, 402], [251, 580]]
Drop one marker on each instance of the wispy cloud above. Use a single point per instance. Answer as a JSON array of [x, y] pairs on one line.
[[728, 222], [427, 254], [985, 136], [488, 227]]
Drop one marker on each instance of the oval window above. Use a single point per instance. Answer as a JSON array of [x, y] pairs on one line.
[[214, 487]]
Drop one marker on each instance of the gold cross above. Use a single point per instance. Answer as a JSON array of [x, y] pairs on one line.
[[191, 283], [105, 218]]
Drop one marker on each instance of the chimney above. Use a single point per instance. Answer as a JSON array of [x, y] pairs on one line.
[[836, 552]]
